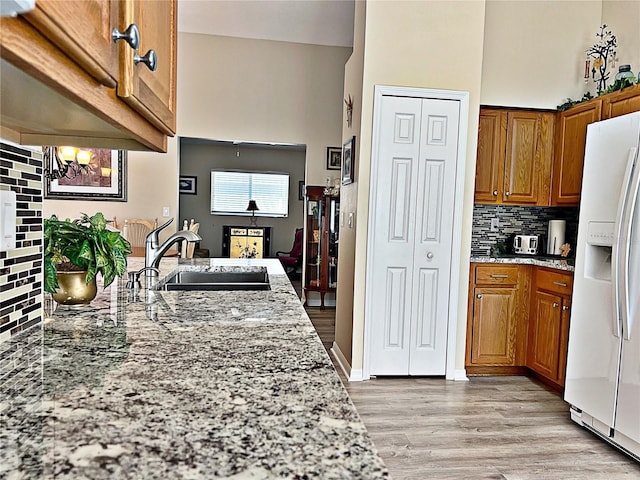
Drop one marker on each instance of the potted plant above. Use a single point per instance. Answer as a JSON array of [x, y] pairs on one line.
[[76, 251]]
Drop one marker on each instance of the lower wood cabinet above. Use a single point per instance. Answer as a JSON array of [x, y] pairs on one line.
[[518, 321], [497, 321], [549, 324]]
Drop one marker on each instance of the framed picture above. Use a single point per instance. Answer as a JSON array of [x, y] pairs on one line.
[[334, 157], [301, 190], [104, 177], [348, 154], [188, 185]]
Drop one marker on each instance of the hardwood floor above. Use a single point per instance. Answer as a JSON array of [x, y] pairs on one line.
[[510, 428]]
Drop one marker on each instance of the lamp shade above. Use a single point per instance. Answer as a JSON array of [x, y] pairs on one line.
[[253, 206]]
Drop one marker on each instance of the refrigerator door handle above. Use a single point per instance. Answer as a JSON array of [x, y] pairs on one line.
[[619, 246], [630, 209]]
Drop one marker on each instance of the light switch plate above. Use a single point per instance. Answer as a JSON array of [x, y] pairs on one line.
[[495, 224], [165, 212], [7, 220]]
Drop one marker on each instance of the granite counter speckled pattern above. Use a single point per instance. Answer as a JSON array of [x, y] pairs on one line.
[[523, 260], [188, 384]]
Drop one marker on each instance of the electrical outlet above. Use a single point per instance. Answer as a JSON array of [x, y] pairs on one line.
[[165, 211], [495, 224]]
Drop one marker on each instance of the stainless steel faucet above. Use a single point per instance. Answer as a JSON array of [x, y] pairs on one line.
[[154, 251]]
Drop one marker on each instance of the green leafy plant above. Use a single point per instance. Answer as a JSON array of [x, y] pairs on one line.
[[83, 244]]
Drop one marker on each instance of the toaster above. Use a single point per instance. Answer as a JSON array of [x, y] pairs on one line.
[[525, 244]]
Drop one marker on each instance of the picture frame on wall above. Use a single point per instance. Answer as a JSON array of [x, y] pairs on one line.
[[301, 190], [348, 154], [103, 178], [334, 158], [188, 185]]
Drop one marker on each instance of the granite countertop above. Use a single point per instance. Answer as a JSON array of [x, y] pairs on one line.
[[185, 384], [540, 261]]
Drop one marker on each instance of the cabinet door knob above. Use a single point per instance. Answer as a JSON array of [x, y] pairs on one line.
[[131, 35], [479, 295], [507, 193], [150, 60], [555, 305], [495, 193], [565, 307], [429, 255]]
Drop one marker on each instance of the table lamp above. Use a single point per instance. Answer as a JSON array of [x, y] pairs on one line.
[[253, 206]]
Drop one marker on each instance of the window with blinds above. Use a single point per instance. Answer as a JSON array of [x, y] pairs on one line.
[[231, 191]]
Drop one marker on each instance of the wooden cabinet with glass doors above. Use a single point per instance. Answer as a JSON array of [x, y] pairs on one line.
[[321, 245]]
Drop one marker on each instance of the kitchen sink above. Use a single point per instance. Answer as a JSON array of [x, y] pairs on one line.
[[193, 280]]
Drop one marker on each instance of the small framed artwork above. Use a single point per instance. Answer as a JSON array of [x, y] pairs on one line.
[[301, 190], [334, 157], [348, 154], [188, 185], [85, 174]]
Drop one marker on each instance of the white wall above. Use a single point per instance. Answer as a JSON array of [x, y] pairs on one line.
[[623, 19], [428, 44], [534, 51]]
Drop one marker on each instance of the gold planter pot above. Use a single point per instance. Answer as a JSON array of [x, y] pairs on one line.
[[73, 289]]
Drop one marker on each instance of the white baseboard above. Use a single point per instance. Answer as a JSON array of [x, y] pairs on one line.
[[353, 375], [460, 375]]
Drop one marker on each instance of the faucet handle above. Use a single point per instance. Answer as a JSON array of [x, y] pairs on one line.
[[152, 236]]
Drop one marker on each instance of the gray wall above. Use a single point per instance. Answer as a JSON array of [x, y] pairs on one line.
[[198, 157]]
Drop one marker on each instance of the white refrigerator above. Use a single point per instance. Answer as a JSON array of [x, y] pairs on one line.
[[603, 363]]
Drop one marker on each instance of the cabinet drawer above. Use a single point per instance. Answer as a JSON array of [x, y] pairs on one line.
[[496, 275], [557, 282]]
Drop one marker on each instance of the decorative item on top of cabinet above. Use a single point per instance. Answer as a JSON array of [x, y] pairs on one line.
[[321, 246], [497, 319], [515, 150], [61, 55], [549, 325]]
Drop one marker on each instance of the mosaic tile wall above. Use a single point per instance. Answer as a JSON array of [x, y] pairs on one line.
[[20, 268], [518, 220]]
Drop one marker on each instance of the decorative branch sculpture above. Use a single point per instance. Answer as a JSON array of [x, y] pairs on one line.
[[604, 56]]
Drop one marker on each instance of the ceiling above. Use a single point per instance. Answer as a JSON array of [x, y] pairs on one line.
[[320, 22]]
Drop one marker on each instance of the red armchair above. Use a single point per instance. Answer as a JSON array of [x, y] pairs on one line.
[[293, 259]]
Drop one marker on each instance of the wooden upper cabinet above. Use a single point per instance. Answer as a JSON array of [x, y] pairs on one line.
[[492, 127], [520, 170], [622, 102], [571, 135], [88, 42], [82, 88], [151, 93], [515, 151]]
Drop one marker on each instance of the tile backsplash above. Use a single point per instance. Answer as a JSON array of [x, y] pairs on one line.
[[518, 220], [21, 268]]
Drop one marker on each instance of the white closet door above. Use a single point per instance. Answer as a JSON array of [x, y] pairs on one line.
[[411, 248], [433, 237]]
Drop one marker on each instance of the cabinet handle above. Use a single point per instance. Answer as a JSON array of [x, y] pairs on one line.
[[560, 284], [150, 60], [555, 305], [507, 193], [429, 255], [479, 295], [499, 275], [565, 307], [495, 193], [131, 35]]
